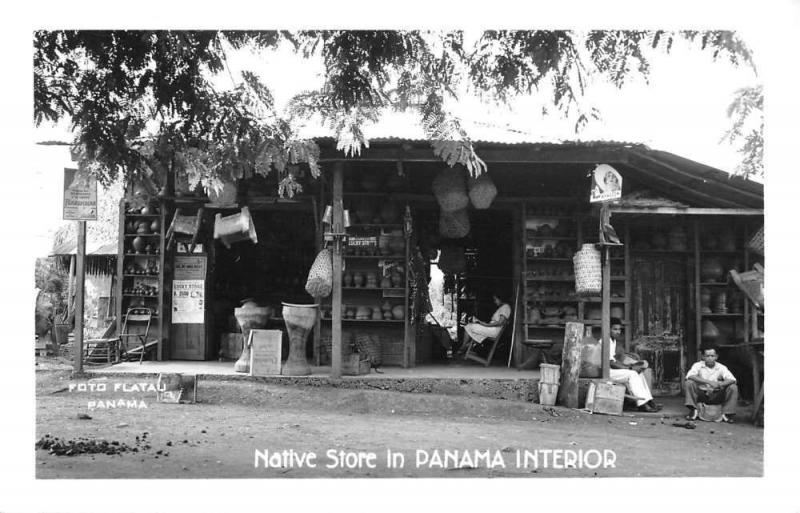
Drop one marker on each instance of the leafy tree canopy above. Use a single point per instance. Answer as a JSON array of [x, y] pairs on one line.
[[141, 101]]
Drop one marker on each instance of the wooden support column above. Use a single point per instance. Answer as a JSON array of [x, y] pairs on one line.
[[570, 365], [697, 320], [336, 302], [606, 313], [80, 280]]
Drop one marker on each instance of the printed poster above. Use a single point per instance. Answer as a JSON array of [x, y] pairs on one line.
[[188, 301], [80, 195], [606, 184]]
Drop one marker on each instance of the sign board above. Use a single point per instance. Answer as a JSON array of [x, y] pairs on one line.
[[362, 241], [606, 184], [177, 388], [265, 352], [80, 195], [184, 248], [188, 290]]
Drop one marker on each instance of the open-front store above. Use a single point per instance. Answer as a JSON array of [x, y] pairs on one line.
[[399, 252]]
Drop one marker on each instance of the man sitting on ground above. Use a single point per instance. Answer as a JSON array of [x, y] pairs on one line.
[[629, 373], [710, 382]]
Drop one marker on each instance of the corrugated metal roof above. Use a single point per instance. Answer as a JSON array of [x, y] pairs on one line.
[[101, 248]]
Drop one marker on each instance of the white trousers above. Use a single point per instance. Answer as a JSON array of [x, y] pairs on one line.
[[634, 382]]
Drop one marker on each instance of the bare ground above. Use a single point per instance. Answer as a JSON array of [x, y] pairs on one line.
[[218, 436]]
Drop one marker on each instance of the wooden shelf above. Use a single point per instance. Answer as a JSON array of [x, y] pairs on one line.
[[600, 300], [377, 257], [715, 284], [373, 288], [551, 278], [548, 259], [375, 225], [662, 251], [737, 252], [560, 325], [554, 299], [723, 315], [141, 295], [388, 321], [151, 255], [140, 275], [550, 237]]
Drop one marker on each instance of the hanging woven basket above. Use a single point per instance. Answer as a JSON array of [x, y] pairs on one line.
[[454, 225], [482, 192], [320, 276], [450, 189], [588, 271], [757, 242]]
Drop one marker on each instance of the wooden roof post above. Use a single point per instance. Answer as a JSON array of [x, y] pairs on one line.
[[606, 313], [80, 280], [336, 301]]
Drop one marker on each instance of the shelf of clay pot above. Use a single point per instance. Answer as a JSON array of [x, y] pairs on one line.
[[378, 257], [395, 321], [715, 283], [723, 315], [548, 259], [560, 325], [551, 278], [554, 299], [376, 225], [661, 251], [140, 275], [373, 288], [155, 296], [720, 252], [600, 300], [549, 237]]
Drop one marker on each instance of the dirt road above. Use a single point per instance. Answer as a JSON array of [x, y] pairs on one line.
[[253, 430]]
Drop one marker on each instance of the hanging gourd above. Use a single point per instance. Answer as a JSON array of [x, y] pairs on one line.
[[482, 191], [450, 189]]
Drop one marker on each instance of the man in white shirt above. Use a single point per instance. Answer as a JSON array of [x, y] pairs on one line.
[[629, 372], [710, 382]]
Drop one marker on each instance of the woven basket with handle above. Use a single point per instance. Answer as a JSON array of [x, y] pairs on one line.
[[588, 271]]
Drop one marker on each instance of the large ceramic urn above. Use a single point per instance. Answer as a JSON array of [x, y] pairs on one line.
[[299, 321], [711, 270], [249, 316]]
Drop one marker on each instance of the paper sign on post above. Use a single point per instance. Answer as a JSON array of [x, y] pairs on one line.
[[606, 184], [80, 195]]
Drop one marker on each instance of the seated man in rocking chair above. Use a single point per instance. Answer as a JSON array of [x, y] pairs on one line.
[[709, 382]]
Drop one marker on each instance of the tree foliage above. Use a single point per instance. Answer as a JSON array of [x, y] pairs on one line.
[[747, 113], [143, 100]]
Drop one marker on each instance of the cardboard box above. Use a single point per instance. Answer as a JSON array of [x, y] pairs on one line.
[[605, 397]]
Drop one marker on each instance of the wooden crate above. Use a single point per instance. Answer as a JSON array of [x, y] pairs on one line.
[[605, 397]]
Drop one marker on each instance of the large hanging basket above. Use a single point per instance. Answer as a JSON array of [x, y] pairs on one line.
[[588, 271], [454, 225], [482, 192], [450, 189], [757, 242], [320, 276]]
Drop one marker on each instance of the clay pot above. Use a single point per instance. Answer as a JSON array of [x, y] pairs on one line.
[[377, 314], [397, 245], [386, 306], [397, 280], [711, 270], [358, 279], [249, 316], [347, 279], [299, 320], [398, 312], [705, 301], [384, 246], [534, 316], [709, 331], [386, 282], [138, 244], [143, 228], [155, 226]]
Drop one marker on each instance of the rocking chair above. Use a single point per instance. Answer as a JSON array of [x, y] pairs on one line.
[[142, 317], [469, 354]]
